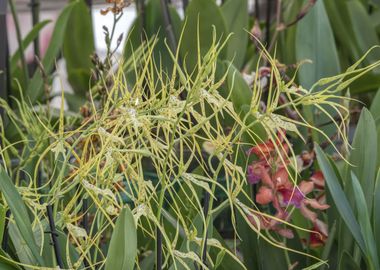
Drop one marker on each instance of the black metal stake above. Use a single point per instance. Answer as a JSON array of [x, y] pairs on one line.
[[85, 223], [89, 4], [4, 244], [4, 53], [140, 5], [35, 6], [168, 25], [206, 203], [159, 249], [268, 21], [54, 237], [185, 3]]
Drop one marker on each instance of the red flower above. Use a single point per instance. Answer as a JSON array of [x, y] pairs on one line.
[[319, 235], [276, 188]]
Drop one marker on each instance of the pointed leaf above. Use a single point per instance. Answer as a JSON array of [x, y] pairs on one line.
[[236, 17], [123, 246], [20, 214], [35, 87], [376, 213], [205, 15], [340, 198], [32, 35], [365, 224], [364, 154], [78, 46]]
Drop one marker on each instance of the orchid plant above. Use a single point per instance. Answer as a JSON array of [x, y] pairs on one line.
[[84, 177]]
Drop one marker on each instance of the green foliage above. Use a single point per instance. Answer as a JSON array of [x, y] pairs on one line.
[[123, 245], [166, 126], [35, 88], [78, 47], [20, 214]]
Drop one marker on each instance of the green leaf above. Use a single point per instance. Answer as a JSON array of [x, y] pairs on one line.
[[364, 32], [365, 224], [347, 262], [315, 41], [236, 18], [375, 106], [154, 27], [366, 83], [364, 154], [20, 214], [343, 30], [238, 89], [123, 246], [35, 87], [376, 213], [32, 35], [340, 199], [188, 245], [202, 14], [78, 46]]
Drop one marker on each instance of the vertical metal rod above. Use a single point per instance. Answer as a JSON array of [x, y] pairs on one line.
[[185, 3], [4, 244], [268, 21], [206, 203], [4, 54], [54, 237], [85, 223], [158, 249], [140, 5], [35, 6], [89, 4], [12, 6], [257, 10], [168, 25]]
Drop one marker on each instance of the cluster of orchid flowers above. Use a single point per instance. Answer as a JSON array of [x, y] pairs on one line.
[[271, 172], [116, 8]]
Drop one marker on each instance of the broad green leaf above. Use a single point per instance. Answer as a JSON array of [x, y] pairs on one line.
[[366, 83], [225, 261], [154, 27], [376, 213], [238, 89], [365, 224], [315, 41], [203, 15], [340, 199], [78, 45], [364, 154], [343, 30], [236, 17], [32, 35], [287, 45], [347, 262], [123, 246], [364, 32], [20, 214], [186, 246], [35, 87], [375, 106]]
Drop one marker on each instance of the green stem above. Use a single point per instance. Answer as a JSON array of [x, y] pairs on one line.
[[19, 40]]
